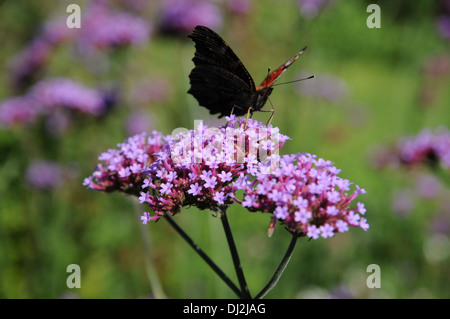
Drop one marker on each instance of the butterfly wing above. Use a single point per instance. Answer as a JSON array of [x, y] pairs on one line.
[[273, 76], [219, 80]]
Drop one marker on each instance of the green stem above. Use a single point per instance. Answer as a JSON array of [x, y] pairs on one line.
[[202, 254], [152, 274], [280, 269], [153, 278], [234, 255]]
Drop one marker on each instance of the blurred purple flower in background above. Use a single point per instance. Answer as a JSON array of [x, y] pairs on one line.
[[310, 8], [18, 110], [28, 64], [239, 7], [426, 148], [52, 98], [181, 16], [44, 174], [104, 28], [60, 92], [55, 31], [443, 26]]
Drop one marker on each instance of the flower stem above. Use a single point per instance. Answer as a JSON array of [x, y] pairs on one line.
[[280, 269], [205, 257], [234, 255], [150, 268]]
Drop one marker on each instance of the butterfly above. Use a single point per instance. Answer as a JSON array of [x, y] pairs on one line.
[[221, 83]]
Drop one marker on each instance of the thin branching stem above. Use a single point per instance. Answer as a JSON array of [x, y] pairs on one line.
[[204, 256], [234, 255], [280, 269]]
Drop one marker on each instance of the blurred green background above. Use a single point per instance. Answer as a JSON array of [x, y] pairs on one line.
[[372, 87]]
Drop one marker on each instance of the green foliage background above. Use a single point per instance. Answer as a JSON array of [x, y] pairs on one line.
[[42, 232]]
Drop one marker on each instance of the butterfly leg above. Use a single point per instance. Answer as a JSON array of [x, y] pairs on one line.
[[271, 115], [249, 115], [232, 110]]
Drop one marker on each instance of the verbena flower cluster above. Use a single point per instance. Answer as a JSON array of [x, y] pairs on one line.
[[306, 195], [200, 167], [208, 167], [123, 168], [426, 148]]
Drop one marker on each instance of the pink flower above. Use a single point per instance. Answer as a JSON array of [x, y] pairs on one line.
[[203, 167], [298, 196], [123, 168]]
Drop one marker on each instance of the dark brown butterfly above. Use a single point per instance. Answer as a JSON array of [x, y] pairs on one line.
[[219, 80]]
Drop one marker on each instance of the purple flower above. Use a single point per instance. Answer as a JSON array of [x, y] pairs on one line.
[[225, 176], [105, 28], [300, 201], [281, 212], [166, 188], [326, 230], [44, 174], [181, 16], [249, 201], [56, 31], [59, 92], [426, 148], [145, 218], [210, 182], [312, 231], [28, 64], [443, 26], [341, 226], [18, 110], [310, 8], [239, 7], [123, 168], [203, 168], [194, 189], [220, 197]]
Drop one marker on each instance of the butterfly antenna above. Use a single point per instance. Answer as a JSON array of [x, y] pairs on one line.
[[299, 80]]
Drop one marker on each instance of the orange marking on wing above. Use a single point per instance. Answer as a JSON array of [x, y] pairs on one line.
[[273, 76]]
